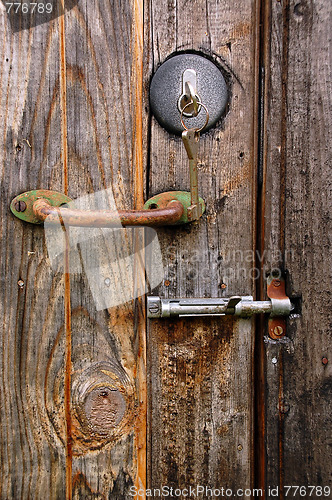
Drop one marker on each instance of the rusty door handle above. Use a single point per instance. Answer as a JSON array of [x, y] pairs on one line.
[[171, 214], [170, 208]]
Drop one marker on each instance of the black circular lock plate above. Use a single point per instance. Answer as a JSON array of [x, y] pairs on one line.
[[166, 88]]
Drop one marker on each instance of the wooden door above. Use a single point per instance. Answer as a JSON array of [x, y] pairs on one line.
[[102, 402]]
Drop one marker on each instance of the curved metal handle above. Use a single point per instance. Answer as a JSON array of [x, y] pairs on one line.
[[169, 215], [162, 210]]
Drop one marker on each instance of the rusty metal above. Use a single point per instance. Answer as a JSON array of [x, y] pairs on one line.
[[20, 206], [103, 218], [276, 291], [236, 306], [325, 361], [164, 209], [28, 199], [183, 197], [190, 140]]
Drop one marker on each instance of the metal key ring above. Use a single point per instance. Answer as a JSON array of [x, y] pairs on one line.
[[206, 111]]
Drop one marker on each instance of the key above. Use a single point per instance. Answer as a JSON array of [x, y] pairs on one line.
[[190, 140]]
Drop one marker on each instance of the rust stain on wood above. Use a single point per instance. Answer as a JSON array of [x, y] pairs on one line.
[[243, 176], [63, 98], [64, 157], [140, 327], [239, 32], [137, 105]]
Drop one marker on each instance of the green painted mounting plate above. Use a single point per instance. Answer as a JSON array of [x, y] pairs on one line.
[[26, 201], [161, 201]]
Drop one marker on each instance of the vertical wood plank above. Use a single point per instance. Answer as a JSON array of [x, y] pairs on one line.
[[104, 80], [71, 120], [297, 229], [201, 370], [32, 461]]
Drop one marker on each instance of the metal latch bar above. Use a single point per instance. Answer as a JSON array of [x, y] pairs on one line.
[[278, 307], [237, 306]]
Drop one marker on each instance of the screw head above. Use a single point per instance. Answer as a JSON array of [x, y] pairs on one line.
[[278, 331], [240, 447], [325, 361], [284, 407], [20, 206], [154, 308]]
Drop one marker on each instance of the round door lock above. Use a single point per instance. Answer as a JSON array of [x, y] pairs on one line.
[[188, 88]]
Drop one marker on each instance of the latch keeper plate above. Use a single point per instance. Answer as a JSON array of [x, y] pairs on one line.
[[276, 291]]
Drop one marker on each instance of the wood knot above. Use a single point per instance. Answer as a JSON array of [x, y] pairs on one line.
[[104, 408], [103, 405]]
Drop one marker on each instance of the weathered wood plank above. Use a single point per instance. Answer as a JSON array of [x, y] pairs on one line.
[[71, 120], [83, 124], [31, 293], [297, 221], [201, 371], [109, 102]]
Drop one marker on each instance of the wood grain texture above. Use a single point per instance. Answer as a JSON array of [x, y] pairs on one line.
[[32, 304], [74, 116], [201, 370], [297, 207], [67, 91]]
